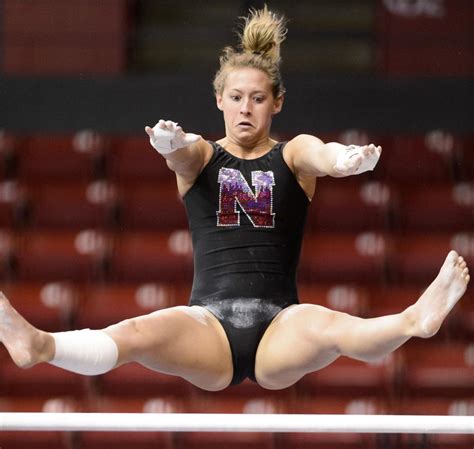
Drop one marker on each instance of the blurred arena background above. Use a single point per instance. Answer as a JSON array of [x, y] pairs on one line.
[[92, 230]]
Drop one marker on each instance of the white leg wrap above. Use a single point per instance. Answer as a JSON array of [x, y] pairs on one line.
[[88, 352]]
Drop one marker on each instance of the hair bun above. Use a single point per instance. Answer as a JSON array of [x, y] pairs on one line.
[[263, 33]]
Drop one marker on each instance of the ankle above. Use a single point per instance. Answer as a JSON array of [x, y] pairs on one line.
[[38, 349], [411, 321]]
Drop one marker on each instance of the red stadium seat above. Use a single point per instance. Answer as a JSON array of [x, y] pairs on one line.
[[356, 136], [437, 207], [392, 299], [151, 206], [350, 377], [440, 370], [132, 158], [424, 39], [346, 298], [152, 257], [13, 204], [420, 158], [72, 205], [109, 303], [8, 143], [60, 156], [417, 258], [330, 257], [65, 255], [342, 205], [48, 306], [42, 380], [463, 319], [227, 440], [467, 169], [7, 251]]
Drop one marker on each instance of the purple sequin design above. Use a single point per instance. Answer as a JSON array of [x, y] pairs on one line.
[[235, 189]]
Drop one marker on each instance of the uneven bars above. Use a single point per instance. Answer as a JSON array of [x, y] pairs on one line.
[[209, 422]]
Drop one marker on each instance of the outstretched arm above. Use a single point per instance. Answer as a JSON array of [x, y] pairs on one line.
[[185, 153], [312, 157]]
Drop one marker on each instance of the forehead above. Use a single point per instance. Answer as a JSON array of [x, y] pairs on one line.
[[247, 79]]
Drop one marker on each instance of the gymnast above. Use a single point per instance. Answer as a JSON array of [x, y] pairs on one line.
[[246, 198]]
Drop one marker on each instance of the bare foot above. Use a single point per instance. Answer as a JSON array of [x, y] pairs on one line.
[[441, 296], [26, 345]]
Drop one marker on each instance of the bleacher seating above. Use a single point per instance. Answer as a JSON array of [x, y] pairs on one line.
[[441, 370], [48, 157], [61, 255], [72, 205], [142, 256], [131, 159], [149, 205]]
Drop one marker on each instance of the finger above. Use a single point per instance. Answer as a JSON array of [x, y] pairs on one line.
[[170, 125], [149, 131], [356, 161]]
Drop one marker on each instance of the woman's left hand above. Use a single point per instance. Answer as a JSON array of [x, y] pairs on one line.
[[355, 159]]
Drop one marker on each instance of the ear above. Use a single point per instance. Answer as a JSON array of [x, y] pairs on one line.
[[219, 102], [277, 105]]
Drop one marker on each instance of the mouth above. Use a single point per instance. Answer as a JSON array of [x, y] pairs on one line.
[[245, 124]]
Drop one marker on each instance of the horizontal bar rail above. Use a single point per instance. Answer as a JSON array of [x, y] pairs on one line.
[[209, 422]]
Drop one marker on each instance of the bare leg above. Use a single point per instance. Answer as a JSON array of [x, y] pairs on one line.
[[184, 341], [305, 338]]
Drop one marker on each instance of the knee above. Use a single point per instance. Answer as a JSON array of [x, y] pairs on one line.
[[275, 382], [275, 379]]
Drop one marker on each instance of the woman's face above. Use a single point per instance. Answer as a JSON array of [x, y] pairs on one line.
[[248, 105]]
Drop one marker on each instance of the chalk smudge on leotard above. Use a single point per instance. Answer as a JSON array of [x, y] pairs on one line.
[[242, 313]]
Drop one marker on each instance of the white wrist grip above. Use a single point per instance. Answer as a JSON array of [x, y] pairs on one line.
[[166, 141], [368, 162]]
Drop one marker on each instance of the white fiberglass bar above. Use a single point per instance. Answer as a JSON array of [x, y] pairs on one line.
[[208, 422]]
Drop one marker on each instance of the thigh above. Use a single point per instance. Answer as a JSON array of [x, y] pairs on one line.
[[296, 342], [185, 341]]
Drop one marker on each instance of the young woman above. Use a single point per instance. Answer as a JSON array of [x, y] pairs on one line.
[[246, 197]]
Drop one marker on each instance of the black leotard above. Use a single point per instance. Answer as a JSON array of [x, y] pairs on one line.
[[246, 219]]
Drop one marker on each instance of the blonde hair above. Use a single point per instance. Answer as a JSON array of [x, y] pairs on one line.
[[263, 32]]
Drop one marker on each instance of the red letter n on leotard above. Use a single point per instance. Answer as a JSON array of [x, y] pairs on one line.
[[234, 190]]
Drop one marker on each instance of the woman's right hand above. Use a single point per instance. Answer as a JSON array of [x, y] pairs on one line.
[[166, 136]]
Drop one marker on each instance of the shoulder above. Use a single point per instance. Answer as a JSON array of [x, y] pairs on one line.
[[303, 141]]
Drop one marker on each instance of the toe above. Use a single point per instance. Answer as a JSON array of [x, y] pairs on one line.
[[452, 257]]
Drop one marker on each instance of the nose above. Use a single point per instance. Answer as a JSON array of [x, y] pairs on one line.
[[245, 108]]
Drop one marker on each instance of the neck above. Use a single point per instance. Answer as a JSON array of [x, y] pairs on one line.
[[247, 150]]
